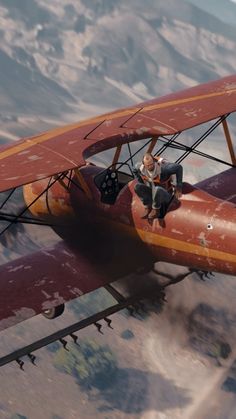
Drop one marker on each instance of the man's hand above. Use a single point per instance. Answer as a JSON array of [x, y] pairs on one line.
[[178, 193], [137, 174], [134, 170]]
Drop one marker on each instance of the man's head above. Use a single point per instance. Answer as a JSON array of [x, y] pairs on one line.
[[149, 162]]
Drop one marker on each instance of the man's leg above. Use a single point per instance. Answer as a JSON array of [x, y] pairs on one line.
[[169, 169], [161, 196], [160, 203], [144, 192]]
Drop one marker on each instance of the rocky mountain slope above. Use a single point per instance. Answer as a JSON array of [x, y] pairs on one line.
[[95, 55]]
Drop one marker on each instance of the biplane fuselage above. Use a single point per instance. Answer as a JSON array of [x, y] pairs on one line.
[[198, 231]]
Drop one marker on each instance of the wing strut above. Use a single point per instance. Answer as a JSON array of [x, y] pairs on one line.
[[83, 184], [19, 217], [172, 143], [152, 144], [116, 156], [229, 141]]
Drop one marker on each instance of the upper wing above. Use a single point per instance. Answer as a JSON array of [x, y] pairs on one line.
[[67, 147]]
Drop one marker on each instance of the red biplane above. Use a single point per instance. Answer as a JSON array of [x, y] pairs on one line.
[[96, 212]]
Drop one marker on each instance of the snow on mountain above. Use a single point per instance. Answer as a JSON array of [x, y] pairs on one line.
[[65, 60]]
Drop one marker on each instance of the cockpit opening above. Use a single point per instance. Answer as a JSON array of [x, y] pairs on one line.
[[110, 182]]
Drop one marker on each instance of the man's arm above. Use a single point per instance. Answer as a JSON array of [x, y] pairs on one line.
[[137, 173]]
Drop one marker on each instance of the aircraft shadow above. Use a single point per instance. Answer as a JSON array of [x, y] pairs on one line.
[[130, 393], [209, 331]]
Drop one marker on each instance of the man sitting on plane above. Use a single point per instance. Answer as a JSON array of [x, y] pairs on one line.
[[155, 187]]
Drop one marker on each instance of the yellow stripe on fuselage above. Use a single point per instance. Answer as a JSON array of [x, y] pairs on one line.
[[158, 240], [113, 115], [170, 243]]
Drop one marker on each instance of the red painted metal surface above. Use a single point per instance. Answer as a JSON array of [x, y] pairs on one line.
[[52, 276], [221, 185], [105, 242], [67, 147]]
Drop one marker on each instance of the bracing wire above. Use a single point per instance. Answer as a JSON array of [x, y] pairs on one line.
[[167, 144], [178, 146], [134, 154], [18, 216], [201, 139], [7, 198]]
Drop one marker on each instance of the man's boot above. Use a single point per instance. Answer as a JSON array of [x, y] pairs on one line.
[[154, 213], [146, 212]]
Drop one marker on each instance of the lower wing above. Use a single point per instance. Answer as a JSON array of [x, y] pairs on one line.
[[45, 279]]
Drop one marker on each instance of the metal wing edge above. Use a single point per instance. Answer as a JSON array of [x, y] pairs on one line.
[[14, 156], [42, 280]]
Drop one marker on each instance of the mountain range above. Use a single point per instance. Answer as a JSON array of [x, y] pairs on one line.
[[62, 61]]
